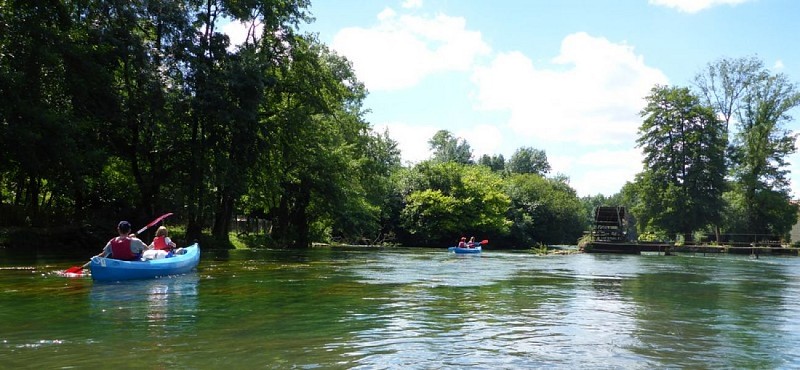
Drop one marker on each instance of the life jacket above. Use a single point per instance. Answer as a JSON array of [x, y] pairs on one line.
[[121, 249], [160, 243]]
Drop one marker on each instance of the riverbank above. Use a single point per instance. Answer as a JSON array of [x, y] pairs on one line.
[[666, 248], [64, 238], [80, 239]]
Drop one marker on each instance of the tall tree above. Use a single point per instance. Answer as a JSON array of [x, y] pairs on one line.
[[743, 92], [319, 141], [228, 113], [52, 78], [543, 211], [369, 215], [762, 147], [529, 160], [724, 83], [496, 162], [447, 148], [683, 178]]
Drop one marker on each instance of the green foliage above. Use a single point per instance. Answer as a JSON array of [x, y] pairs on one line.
[[724, 82], [681, 186], [543, 211], [128, 109], [761, 151], [540, 249], [444, 200], [529, 160], [653, 236], [742, 89], [496, 162], [447, 148], [430, 216]]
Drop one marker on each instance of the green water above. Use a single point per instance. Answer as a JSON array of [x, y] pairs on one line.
[[409, 308]]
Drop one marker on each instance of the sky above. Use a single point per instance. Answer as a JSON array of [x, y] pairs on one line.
[[565, 76]]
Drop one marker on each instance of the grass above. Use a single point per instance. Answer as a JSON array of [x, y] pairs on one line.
[[539, 249], [237, 242]]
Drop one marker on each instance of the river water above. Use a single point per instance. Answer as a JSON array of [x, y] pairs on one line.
[[329, 308]]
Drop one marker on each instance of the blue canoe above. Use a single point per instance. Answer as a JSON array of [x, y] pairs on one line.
[[458, 250], [109, 269]]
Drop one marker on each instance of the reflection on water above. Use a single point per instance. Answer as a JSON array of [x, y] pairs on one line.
[[154, 301], [412, 308]]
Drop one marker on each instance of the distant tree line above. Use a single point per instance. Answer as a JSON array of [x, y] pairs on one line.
[[511, 202], [130, 109]]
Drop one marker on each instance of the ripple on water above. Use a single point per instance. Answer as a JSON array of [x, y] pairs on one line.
[[419, 309]]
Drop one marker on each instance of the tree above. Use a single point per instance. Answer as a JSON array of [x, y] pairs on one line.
[[447, 148], [724, 83], [318, 143], [496, 162], [683, 179], [443, 200], [742, 89], [543, 211], [529, 160], [231, 103], [761, 150], [368, 211], [56, 96]]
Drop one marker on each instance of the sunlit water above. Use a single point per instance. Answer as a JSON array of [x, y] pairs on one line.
[[409, 308]]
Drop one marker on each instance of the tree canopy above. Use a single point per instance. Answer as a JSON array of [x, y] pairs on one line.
[[718, 158], [118, 110], [683, 145]]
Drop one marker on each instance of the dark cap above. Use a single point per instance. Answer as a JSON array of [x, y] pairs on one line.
[[124, 226]]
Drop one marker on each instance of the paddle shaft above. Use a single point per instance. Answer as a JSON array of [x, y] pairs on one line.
[[154, 222]]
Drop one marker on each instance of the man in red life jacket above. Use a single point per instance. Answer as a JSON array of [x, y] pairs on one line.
[[126, 246]]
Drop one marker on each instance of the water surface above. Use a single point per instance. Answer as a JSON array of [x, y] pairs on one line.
[[409, 308]]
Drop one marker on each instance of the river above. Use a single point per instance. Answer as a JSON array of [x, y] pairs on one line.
[[392, 308]]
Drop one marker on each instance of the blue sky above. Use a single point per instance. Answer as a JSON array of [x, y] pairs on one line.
[[566, 76]]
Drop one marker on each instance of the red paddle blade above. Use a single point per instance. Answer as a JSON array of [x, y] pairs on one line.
[[484, 242], [74, 270], [154, 222]]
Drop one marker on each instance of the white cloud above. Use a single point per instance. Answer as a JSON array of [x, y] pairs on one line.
[[237, 32], [412, 4], [387, 13], [587, 99], [694, 6], [778, 65], [411, 139], [483, 139], [603, 171], [402, 50], [628, 159], [595, 100]]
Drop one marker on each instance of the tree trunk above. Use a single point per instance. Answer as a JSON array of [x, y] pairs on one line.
[[280, 229], [222, 217], [300, 217]]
